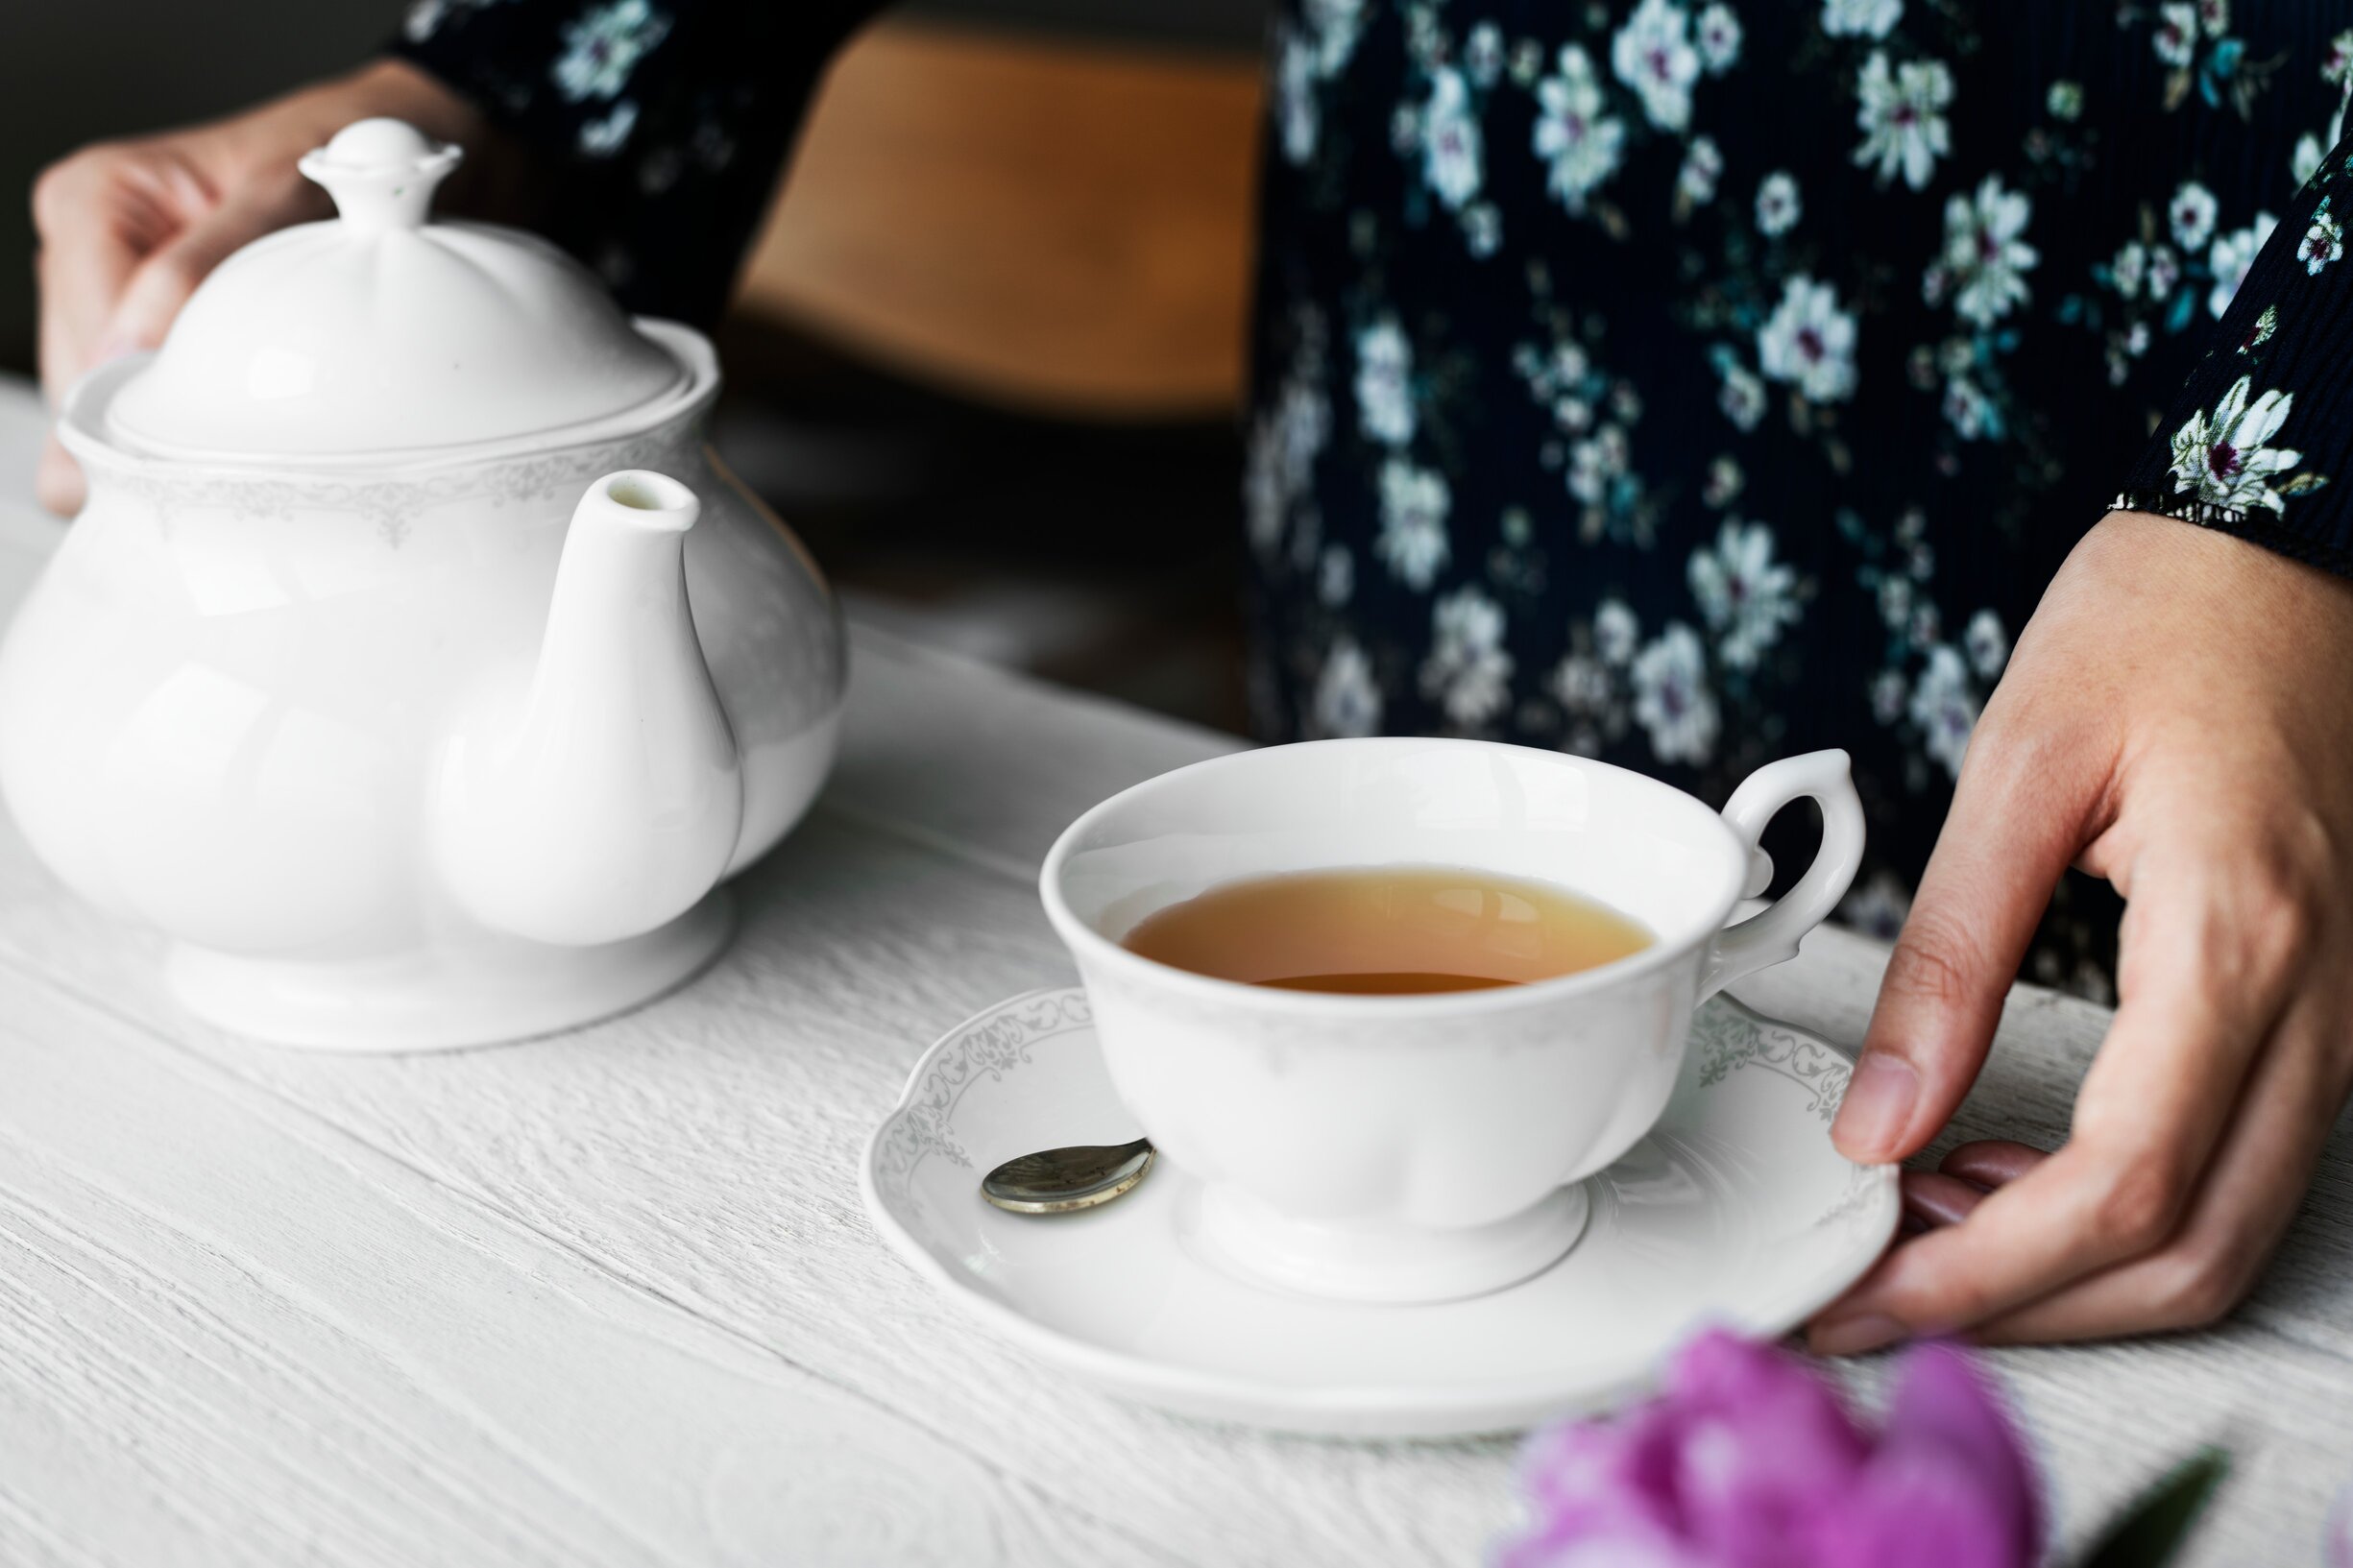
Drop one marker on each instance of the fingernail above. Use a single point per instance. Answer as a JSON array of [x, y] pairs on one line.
[[1877, 1107], [1855, 1336]]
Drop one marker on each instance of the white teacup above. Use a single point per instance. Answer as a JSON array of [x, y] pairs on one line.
[[1421, 1147]]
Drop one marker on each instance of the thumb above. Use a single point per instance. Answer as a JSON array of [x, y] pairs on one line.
[[2012, 831], [162, 284]]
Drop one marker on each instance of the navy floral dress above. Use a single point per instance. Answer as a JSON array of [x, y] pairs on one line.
[[1686, 384]]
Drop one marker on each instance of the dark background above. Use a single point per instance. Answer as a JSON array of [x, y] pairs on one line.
[[73, 71]]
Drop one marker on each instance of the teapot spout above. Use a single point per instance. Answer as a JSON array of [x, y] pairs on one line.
[[603, 797]]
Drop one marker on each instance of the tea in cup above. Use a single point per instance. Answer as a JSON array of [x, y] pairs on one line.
[[1391, 1001]]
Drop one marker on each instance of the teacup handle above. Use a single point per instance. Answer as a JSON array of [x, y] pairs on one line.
[[1771, 935]]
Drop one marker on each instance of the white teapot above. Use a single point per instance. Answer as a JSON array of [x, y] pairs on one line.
[[366, 677]]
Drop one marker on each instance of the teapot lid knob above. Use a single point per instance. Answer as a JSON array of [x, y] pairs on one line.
[[381, 174]]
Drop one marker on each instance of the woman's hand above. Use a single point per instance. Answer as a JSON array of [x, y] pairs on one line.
[[129, 228], [2179, 719]]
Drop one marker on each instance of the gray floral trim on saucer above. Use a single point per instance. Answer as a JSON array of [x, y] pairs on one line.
[[1729, 1037], [986, 1047], [1858, 1204]]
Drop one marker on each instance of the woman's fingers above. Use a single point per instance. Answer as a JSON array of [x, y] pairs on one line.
[[155, 291], [1950, 1193], [2198, 1004], [1936, 1199], [87, 252], [2018, 819], [2241, 1208], [1989, 1163], [101, 215]]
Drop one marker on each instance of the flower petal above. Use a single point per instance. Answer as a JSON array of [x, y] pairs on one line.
[[1945, 1407]]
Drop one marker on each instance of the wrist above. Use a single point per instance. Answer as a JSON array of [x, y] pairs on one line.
[[2227, 577]]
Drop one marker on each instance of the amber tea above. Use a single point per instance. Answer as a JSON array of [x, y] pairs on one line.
[[1387, 930]]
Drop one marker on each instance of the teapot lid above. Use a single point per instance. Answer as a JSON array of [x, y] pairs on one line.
[[377, 332]]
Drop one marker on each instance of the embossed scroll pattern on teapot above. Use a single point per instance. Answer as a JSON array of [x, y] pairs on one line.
[[413, 668]]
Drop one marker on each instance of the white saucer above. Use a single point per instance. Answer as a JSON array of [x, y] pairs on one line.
[[1734, 1211]]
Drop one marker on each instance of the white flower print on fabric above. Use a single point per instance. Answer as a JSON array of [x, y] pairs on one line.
[[1335, 576], [1985, 258], [2130, 266], [423, 19], [1717, 36], [604, 45], [1298, 118], [1745, 595], [605, 136], [2304, 161], [1896, 601], [2323, 242], [1968, 410], [2065, 101], [1581, 683], [1703, 165], [1384, 383], [1483, 54], [1347, 703], [2214, 15], [1579, 143], [1724, 481], [2337, 66], [1279, 464], [1987, 645], [1808, 342], [1742, 395], [1615, 632], [1450, 146], [1468, 672], [2192, 213], [1413, 539], [1595, 463], [2222, 461], [1778, 204], [1671, 699], [2175, 39], [2261, 333], [1482, 229], [1861, 19], [1333, 25], [1652, 55], [1888, 693], [2233, 253], [1902, 119], [1945, 708]]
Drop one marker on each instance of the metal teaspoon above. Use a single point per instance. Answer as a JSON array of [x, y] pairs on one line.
[[1060, 1180]]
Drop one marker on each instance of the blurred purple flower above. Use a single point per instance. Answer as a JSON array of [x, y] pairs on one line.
[[1747, 1460]]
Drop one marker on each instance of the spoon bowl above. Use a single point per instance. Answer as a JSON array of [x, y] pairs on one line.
[[1064, 1180]]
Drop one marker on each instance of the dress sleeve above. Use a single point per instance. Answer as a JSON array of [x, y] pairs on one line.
[[2260, 441], [659, 125]]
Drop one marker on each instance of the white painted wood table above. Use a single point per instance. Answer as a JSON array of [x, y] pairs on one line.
[[610, 1298]]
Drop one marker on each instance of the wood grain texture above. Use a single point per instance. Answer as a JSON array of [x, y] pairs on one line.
[[1051, 223], [610, 1298]]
